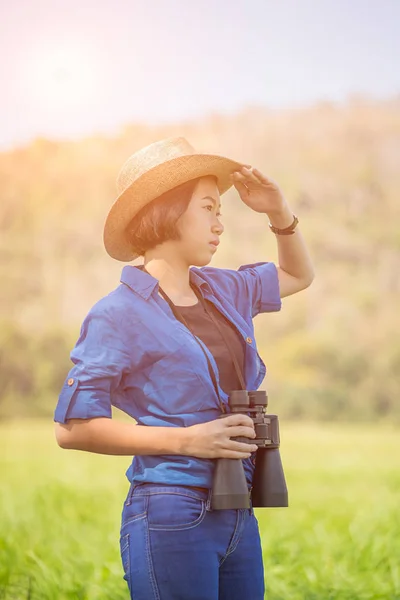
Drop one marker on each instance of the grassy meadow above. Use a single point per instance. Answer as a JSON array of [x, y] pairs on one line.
[[339, 539]]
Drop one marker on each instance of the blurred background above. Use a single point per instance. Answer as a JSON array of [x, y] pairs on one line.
[[309, 93]]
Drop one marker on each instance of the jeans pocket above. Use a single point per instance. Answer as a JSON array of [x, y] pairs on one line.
[[135, 508], [125, 549], [173, 511]]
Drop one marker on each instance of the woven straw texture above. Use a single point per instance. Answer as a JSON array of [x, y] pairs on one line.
[[150, 172]]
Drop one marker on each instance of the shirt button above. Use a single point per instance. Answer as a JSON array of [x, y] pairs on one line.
[[249, 340], [70, 381]]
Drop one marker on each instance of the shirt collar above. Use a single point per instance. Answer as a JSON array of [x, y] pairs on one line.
[[144, 284]]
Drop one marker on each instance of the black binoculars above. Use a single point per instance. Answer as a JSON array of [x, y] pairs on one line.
[[230, 489]]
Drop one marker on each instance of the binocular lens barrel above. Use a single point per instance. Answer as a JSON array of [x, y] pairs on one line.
[[269, 485], [269, 489]]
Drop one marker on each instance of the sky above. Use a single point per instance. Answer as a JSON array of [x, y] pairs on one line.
[[83, 67]]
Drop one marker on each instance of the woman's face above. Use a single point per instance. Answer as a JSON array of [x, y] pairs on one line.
[[200, 225]]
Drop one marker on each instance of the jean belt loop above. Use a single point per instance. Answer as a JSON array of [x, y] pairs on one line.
[[208, 503]]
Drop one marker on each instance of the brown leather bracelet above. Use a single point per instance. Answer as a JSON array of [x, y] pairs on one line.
[[287, 231]]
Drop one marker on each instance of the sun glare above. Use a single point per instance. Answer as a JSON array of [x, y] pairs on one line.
[[62, 77]]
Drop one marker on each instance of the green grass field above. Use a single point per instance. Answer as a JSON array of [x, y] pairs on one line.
[[339, 539]]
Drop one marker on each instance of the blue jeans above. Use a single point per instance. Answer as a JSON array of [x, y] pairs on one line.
[[174, 547]]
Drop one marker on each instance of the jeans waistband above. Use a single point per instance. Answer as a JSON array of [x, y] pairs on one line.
[[147, 487]]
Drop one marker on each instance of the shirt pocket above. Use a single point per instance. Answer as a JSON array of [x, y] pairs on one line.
[[64, 401]]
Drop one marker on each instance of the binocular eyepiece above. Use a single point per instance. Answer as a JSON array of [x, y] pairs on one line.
[[230, 489]]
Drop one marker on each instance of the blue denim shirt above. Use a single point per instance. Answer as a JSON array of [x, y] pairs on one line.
[[133, 354]]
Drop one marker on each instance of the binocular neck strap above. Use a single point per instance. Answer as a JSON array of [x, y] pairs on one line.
[[220, 329], [180, 317]]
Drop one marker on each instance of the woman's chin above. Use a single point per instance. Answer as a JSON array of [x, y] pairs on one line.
[[201, 261]]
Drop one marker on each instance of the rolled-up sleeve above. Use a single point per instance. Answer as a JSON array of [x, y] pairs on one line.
[[100, 360], [261, 284], [253, 287]]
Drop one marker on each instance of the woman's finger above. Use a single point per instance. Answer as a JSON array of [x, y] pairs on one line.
[[241, 446], [237, 176], [261, 177], [241, 188], [250, 175], [231, 454], [265, 180], [235, 419], [241, 431]]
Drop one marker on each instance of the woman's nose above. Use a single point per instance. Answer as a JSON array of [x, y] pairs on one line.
[[218, 228]]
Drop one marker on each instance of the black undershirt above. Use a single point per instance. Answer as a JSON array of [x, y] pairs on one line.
[[203, 327]]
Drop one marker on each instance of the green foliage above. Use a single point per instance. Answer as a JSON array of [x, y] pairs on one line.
[[334, 377], [332, 352], [32, 369]]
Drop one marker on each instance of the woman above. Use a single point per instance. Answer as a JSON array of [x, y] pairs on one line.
[[160, 348]]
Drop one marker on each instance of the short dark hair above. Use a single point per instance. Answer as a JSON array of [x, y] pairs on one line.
[[156, 222]]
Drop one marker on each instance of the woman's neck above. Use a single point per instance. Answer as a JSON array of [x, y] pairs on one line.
[[173, 276]]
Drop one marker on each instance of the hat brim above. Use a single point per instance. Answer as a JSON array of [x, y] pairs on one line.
[[154, 183]]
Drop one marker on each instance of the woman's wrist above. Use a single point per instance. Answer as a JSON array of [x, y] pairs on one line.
[[282, 218], [182, 441]]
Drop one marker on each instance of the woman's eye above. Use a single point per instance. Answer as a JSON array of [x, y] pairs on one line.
[[211, 206]]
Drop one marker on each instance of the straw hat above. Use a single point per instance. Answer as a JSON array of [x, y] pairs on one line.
[[150, 172]]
